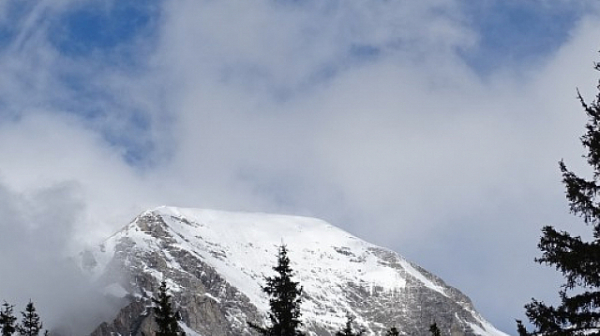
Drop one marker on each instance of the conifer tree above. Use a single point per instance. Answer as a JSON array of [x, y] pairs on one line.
[[393, 331], [285, 299], [7, 320], [434, 330], [164, 315], [349, 330], [30, 324], [578, 259]]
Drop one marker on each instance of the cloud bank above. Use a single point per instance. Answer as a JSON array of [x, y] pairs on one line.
[[388, 119]]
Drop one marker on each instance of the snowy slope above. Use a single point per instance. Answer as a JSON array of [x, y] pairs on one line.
[[341, 274]]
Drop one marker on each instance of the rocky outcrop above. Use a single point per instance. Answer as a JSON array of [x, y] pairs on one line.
[[207, 303], [211, 271]]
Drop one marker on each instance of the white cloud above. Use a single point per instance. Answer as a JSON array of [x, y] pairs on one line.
[[267, 106], [41, 151], [407, 149], [37, 230]]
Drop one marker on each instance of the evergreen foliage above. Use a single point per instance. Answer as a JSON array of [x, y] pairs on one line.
[[285, 299], [434, 330], [349, 330], [393, 331], [7, 320], [30, 324], [576, 258], [164, 315]]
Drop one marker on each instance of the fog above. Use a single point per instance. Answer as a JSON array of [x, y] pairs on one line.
[[38, 264]]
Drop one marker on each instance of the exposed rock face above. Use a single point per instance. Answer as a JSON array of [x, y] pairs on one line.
[[215, 263]]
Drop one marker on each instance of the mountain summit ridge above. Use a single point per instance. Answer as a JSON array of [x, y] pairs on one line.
[[215, 263]]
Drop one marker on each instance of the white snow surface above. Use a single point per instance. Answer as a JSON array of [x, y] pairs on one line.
[[188, 331], [486, 330], [243, 248]]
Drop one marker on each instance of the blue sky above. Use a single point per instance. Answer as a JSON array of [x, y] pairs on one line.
[[508, 34], [516, 32], [433, 127]]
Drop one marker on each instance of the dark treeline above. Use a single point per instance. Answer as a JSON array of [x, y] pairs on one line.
[[30, 325]]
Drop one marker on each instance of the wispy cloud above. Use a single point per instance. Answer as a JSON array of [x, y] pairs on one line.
[[389, 119]]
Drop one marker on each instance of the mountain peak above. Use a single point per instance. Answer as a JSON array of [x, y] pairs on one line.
[[225, 256]]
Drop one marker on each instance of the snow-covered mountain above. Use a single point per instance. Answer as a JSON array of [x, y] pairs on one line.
[[215, 263]]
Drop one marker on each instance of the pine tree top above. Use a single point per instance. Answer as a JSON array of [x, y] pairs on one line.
[[578, 260], [350, 330], [166, 318], [7, 320], [285, 299], [30, 324]]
